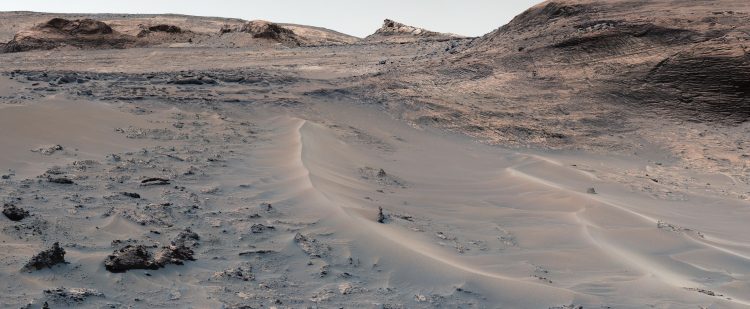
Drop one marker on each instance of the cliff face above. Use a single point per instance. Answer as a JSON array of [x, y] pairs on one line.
[[687, 59]]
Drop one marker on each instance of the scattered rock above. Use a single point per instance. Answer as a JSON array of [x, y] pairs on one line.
[[14, 213], [704, 291], [46, 258]]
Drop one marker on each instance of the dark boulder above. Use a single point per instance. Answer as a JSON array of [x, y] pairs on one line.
[[130, 257], [47, 258], [14, 213]]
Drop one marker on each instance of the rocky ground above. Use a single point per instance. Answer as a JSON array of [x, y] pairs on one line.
[[586, 154]]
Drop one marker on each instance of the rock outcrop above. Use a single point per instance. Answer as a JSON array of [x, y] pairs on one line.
[[395, 32], [690, 64], [78, 33], [261, 29]]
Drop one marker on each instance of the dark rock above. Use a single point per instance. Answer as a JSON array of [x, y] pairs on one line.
[[14, 213], [130, 257], [165, 28], [154, 181], [61, 180], [381, 173], [591, 191], [187, 81], [381, 216], [131, 195], [46, 258], [78, 26], [260, 228], [266, 206]]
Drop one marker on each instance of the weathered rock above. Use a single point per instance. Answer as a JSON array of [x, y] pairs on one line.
[[61, 180], [187, 238], [173, 254], [381, 216], [131, 194], [154, 181], [47, 258], [70, 296], [260, 228], [311, 246], [14, 213], [395, 32], [59, 32], [130, 257], [237, 273]]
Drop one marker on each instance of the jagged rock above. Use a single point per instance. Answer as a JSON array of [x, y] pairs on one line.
[[311, 246], [14, 213], [173, 254], [237, 273], [267, 30], [47, 258], [70, 296], [130, 257], [262, 29]]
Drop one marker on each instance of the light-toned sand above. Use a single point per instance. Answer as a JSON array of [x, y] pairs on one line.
[[466, 225]]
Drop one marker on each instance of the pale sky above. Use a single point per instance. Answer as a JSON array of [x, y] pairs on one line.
[[359, 18]]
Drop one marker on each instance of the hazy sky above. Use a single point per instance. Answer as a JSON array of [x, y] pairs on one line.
[[360, 18]]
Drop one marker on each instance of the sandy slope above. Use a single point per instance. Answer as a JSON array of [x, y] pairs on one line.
[[465, 224]]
